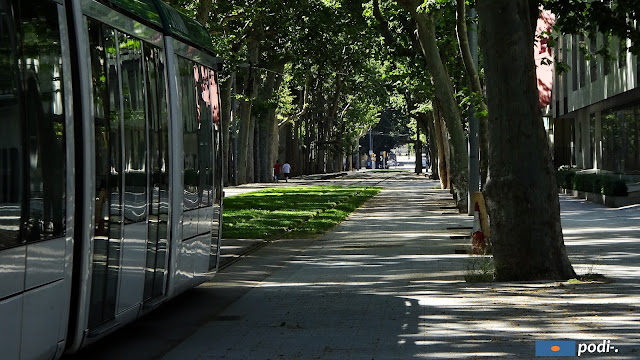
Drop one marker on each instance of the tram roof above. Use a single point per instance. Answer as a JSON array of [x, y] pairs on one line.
[[171, 20]]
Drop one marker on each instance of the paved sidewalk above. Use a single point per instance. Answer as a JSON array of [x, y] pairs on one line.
[[232, 249], [388, 284]]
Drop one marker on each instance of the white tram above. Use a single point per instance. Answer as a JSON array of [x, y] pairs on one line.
[[110, 167]]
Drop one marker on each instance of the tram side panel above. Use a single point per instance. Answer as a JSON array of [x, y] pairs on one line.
[[197, 228], [147, 228], [36, 182], [125, 241], [197, 188]]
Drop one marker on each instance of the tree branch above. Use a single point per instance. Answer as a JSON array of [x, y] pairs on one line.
[[389, 39]]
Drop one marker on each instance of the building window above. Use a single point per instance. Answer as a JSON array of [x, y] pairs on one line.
[[592, 138], [565, 77], [638, 59], [621, 139]]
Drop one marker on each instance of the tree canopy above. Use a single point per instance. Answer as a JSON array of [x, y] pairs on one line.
[[305, 80]]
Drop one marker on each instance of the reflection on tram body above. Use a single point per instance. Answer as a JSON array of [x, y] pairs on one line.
[[99, 221]]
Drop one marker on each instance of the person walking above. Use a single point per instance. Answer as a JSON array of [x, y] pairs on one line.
[[276, 170], [286, 169]]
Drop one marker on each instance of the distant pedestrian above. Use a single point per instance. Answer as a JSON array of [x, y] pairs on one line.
[[276, 170], [286, 169]]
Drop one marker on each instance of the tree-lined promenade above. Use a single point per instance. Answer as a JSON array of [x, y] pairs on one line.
[[389, 283], [306, 80]]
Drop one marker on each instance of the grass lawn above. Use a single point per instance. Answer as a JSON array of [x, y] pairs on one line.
[[296, 210]]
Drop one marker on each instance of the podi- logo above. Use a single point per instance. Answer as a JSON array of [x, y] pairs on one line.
[[568, 348]]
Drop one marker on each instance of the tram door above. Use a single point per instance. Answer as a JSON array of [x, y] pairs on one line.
[[158, 241], [130, 242]]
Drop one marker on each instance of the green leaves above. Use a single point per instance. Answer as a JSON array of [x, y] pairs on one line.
[[613, 17]]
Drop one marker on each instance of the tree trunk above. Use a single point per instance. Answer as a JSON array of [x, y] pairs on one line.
[[253, 169], [442, 145], [474, 79], [451, 114], [244, 123], [203, 10], [339, 160], [522, 196], [433, 146], [418, 148], [268, 123], [296, 149], [245, 135], [333, 153], [446, 149], [225, 115], [423, 120], [307, 153], [273, 138]]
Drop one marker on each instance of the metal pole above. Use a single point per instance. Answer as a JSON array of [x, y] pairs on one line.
[[474, 125]]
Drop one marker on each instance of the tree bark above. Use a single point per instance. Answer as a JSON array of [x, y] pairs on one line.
[[245, 135], [268, 123], [225, 115], [254, 146], [446, 149], [203, 10], [522, 196], [474, 79], [433, 146], [451, 113], [443, 145], [418, 148], [442, 162], [423, 120]]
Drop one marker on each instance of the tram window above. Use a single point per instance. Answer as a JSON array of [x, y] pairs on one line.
[[10, 144], [190, 133], [157, 243], [32, 156], [108, 164], [217, 137], [135, 140]]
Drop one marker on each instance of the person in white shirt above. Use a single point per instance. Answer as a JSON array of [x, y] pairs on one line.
[[286, 169]]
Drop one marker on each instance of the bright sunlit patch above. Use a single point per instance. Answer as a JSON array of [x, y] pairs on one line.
[[585, 230]]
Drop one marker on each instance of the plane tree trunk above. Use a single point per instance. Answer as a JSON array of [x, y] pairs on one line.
[[522, 195], [450, 112], [245, 134], [268, 123], [474, 80]]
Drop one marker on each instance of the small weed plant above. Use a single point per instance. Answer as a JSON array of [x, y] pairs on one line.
[[480, 268], [591, 275]]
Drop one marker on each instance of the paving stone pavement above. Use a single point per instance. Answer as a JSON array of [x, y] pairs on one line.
[[388, 284]]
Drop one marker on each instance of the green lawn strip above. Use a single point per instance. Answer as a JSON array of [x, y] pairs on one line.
[[269, 213], [329, 218]]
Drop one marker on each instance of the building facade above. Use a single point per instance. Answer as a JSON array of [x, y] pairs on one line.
[[595, 106]]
